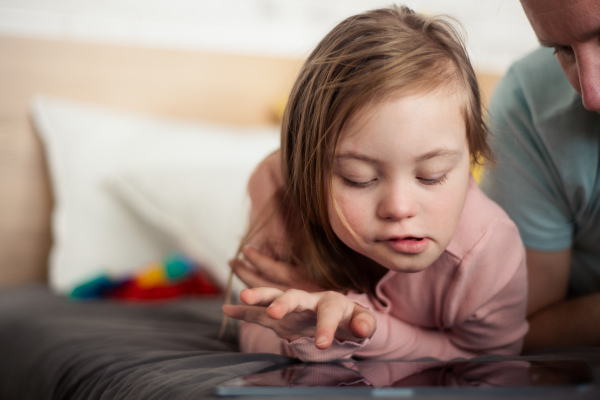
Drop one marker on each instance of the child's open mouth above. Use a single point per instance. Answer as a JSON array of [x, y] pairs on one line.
[[409, 244]]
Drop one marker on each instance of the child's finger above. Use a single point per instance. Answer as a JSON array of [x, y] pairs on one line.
[[274, 270], [363, 323], [293, 300], [246, 313], [257, 269], [333, 310], [262, 296], [329, 315], [254, 314], [252, 277]]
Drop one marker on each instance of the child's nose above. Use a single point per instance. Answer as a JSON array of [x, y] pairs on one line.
[[397, 203]]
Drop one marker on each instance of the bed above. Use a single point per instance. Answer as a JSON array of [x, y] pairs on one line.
[[111, 159]]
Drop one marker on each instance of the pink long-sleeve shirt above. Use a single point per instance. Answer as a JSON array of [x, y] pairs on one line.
[[470, 301]]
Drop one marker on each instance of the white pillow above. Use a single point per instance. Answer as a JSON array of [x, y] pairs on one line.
[[185, 183]]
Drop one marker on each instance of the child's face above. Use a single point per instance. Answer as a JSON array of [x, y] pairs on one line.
[[400, 178]]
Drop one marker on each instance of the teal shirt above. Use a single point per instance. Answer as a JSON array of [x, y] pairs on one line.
[[548, 173]]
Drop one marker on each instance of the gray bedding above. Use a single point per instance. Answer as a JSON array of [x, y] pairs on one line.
[[52, 348]]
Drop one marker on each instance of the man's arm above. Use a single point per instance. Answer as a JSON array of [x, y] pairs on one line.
[[553, 320]]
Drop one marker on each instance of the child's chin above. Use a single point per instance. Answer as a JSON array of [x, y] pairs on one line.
[[410, 264], [407, 267], [410, 269]]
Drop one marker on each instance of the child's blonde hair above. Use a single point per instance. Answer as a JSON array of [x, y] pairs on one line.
[[367, 58]]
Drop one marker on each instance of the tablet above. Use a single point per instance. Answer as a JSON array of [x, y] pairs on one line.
[[412, 379]]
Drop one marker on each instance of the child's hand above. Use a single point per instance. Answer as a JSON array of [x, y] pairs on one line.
[[295, 313], [260, 270]]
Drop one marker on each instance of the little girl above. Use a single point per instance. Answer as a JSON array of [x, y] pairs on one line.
[[369, 234]]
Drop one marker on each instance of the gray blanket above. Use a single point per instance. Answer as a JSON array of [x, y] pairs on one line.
[[53, 348]]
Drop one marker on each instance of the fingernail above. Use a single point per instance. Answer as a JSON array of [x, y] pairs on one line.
[[246, 248], [320, 340], [366, 328]]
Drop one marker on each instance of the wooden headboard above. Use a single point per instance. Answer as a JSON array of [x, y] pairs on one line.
[[190, 85]]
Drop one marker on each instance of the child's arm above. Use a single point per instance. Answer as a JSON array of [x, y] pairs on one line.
[[260, 265], [259, 270]]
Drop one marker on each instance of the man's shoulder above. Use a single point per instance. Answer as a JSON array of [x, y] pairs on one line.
[[534, 85], [538, 69]]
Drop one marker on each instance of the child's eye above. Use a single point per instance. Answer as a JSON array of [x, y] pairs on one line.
[[350, 183], [435, 181]]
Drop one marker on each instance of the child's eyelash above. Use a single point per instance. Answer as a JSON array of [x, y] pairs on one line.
[[436, 181], [350, 183]]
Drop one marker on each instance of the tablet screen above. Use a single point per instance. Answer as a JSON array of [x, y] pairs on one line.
[[406, 379]]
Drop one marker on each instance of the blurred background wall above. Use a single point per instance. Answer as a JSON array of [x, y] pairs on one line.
[[497, 30], [225, 61]]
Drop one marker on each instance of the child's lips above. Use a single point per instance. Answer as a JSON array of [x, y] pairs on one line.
[[409, 244]]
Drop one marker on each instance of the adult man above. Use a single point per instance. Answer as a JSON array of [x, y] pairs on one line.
[[544, 114]]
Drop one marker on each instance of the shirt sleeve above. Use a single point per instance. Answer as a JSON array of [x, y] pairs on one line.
[[267, 227], [255, 338], [526, 182]]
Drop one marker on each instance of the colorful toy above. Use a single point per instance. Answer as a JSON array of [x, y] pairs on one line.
[[175, 276]]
